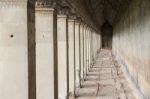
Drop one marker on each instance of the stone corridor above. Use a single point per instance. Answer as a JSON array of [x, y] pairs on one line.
[[106, 80], [84, 49]]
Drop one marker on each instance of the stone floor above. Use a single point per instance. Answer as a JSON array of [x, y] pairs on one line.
[[105, 80]]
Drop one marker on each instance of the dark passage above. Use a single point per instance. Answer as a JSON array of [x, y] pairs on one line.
[[107, 33]]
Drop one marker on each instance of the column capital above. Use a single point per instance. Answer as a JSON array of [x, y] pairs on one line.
[[72, 16], [71, 20], [62, 16], [77, 22], [63, 10], [86, 26], [82, 23], [44, 10], [45, 4]]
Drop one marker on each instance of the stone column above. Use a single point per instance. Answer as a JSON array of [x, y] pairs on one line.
[[17, 25], [45, 51], [71, 35], [97, 41], [87, 61], [77, 58], [94, 46], [84, 71], [100, 41], [62, 55], [90, 49], [81, 50], [85, 50]]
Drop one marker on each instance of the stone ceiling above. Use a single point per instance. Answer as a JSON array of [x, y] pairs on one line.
[[97, 12], [106, 10]]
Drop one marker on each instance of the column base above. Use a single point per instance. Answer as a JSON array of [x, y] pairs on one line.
[[77, 85], [64, 97], [85, 75], [71, 95], [82, 79]]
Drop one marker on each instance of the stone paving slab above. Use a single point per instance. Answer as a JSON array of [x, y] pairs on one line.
[[105, 80]]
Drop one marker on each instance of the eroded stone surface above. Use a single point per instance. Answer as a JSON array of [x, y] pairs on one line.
[[105, 80]]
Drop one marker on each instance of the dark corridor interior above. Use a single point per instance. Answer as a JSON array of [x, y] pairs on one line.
[[107, 33]]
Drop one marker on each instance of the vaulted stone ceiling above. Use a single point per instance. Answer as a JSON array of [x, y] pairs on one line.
[[97, 12], [106, 10]]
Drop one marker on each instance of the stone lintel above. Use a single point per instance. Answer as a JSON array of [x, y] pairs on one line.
[[44, 10], [16, 1], [13, 3]]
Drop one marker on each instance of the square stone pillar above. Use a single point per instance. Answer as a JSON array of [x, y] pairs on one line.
[[100, 41], [17, 49], [46, 20], [87, 47], [91, 52], [84, 72], [85, 51], [89, 40], [94, 37], [90, 61], [71, 39], [96, 45], [93, 45], [97, 36], [77, 58], [81, 50], [62, 55]]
